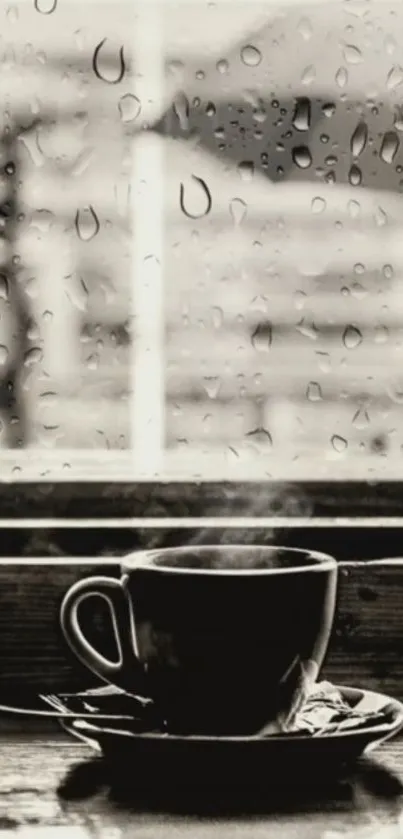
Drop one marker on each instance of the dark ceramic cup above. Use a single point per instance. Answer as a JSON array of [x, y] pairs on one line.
[[216, 635]]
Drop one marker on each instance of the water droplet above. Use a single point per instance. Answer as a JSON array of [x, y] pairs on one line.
[[308, 75], [87, 223], [10, 168], [302, 157], [262, 337], [380, 217], [394, 77], [246, 169], [318, 205], [361, 419], [33, 356], [354, 209], [324, 361], [389, 147], [212, 386], [101, 64], [48, 399], [381, 334], [328, 109], [12, 14], [45, 7], [4, 288], [3, 355], [211, 109], [398, 119], [237, 210], [305, 28], [352, 55], [181, 109], [202, 192], [260, 435], [251, 56], [217, 317], [222, 66], [339, 443], [352, 337], [359, 139], [314, 392], [42, 220], [388, 272], [355, 175], [129, 107], [341, 77], [390, 44], [395, 392], [301, 119]]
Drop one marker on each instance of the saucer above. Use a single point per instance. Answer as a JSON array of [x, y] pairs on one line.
[[133, 742]]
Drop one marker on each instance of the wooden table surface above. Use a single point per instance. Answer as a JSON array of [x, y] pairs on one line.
[[51, 786]]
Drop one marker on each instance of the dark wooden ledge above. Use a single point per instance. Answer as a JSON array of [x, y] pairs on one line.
[[93, 499]]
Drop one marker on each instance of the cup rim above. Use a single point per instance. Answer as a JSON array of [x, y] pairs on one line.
[[316, 561]]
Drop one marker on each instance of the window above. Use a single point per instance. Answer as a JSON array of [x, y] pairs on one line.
[[201, 241]]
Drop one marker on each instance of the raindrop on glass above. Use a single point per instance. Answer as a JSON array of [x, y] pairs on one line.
[[302, 157], [308, 75], [314, 392], [341, 77], [87, 223], [352, 55], [212, 386], [339, 443], [222, 66], [246, 169], [203, 195], [389, 147], [388, 272], [390, 44], [262, 337], [328, 109], [45, 7], [352, 337], [359, 139], [33, 356], [260, 435], [355, 175], [181, 109], [380, 217], [305, 28], [4, 289], [354, 209], [237, 210], [398, 119], [210, 109], [105, 69], [318, 205], [251, 56], [394, 77], [301, 119], [129, 107], [217, 317], [381, 334], [3, 355], [361, 419]]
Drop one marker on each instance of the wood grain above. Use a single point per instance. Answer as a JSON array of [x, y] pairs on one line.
[[366, 647], [89, 499], [39, 774]]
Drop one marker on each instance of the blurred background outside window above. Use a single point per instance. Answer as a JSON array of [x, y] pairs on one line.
[[201, 239]]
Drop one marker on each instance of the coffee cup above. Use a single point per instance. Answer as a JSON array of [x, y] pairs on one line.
[[217, 636]]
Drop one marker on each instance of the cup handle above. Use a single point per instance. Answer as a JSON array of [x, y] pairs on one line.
[[123, 672]]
